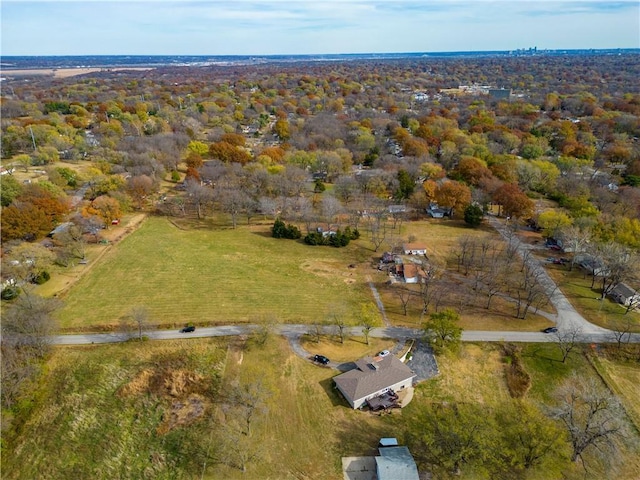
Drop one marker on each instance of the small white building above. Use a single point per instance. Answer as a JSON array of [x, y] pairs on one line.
[[414, 249]]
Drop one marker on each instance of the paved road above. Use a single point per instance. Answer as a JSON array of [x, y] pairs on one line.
[[298, 330], [567, 317]]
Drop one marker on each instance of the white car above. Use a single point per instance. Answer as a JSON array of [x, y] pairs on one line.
[[383, 353]]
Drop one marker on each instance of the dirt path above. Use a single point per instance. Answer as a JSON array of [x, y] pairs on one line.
[[376, 297]]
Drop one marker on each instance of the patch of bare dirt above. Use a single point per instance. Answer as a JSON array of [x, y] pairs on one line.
[[183, 412], [181, 390]]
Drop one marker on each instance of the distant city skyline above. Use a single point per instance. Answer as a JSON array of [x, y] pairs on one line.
[[272, 27]]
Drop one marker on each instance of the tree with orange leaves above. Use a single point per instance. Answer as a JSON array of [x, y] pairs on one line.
[[452, 195]]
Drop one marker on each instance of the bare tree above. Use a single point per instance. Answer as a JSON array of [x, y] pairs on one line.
[[403, 294], [249, 401], [27, 326], [72, 244], [429, 284], [237, 450], [464, 253], [140, 317], [378, 228], [316, 330], [618, 264], [232, 201], [621, 332], [199, 196], [529, 290], [593, 417], [340, 324], [368, 315], [331, 207], [575, 239], [568, 339]]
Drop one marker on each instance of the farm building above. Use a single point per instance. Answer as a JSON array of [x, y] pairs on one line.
[[372, 378], [414, 249], [625, 295]]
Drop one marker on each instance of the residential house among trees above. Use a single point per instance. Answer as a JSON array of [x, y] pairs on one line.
[[373, 377], [625, 295]]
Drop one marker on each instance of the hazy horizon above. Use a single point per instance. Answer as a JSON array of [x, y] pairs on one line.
[[305, 27]]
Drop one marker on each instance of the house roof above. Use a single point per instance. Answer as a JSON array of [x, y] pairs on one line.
[[624, 290], [396, 463], [63, 227], [414, 246], [372, 375], [410, 270]]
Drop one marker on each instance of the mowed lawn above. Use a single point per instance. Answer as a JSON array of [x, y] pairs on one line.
[[217, 276]]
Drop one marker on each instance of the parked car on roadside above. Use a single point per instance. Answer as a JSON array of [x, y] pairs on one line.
[[188, 329], [383, 353], [321, 359]]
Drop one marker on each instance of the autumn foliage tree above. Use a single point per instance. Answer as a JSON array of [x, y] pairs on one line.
[[513, 201], [33, 214], [104, 207], [228, 153], [452, 195]]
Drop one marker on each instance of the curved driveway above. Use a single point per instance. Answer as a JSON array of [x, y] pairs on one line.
[[567, 317]]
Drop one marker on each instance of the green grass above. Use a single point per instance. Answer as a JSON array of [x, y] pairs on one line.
[[587, 301], [219, 276], [545, 359]]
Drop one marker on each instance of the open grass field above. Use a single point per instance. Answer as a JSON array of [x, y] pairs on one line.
[[587, 301], [206, 274], [624, 380], [154, 409], [220, 276]]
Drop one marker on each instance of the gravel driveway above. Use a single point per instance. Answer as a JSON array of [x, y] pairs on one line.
[[423, 362]]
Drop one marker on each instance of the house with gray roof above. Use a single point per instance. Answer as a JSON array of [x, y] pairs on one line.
[[372, 378], [625, 295]]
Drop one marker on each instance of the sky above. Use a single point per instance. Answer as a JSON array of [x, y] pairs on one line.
[[270, 27]]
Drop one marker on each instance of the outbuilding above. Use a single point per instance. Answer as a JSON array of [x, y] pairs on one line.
[[414, 249]]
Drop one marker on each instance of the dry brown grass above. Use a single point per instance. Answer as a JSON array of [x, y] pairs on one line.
[[476, 375], [500, 317], [64, 72], [518, 380], [351, 349], [624, 380]]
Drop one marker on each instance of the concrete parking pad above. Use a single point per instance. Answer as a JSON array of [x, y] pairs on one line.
[[359, 468]]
